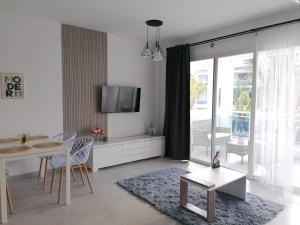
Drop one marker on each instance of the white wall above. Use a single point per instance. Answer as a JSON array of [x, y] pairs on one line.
[[31, 47], [127, 68]]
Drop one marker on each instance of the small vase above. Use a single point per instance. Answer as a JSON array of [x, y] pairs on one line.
[[97, 138]]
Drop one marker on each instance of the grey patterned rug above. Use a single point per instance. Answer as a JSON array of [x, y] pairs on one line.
[[161, 189]]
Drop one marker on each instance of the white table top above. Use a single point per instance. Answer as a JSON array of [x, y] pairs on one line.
[[237, 142], [30, 152], [220, 135], [219, 176]]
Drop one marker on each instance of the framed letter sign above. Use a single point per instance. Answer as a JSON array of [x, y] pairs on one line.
[[12, 85]]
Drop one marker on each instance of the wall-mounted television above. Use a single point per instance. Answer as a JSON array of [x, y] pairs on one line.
[[116, 99]]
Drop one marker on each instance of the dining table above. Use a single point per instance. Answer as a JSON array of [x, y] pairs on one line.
[[12, 149]]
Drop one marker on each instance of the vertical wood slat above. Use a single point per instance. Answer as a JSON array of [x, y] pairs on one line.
[[84, 62]]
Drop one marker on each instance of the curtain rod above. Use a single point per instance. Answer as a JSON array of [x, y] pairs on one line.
[[254, 30]]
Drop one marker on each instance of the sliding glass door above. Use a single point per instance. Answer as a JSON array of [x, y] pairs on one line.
[[230, 103], [233, 109], [201, 90], [224, 119]]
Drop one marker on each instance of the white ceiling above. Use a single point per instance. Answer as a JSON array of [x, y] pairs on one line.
[[181, 18]]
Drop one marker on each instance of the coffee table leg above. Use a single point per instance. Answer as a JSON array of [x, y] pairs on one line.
[[236, 188], [210, 204], [183, 193]]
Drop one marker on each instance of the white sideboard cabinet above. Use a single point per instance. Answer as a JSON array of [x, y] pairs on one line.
[[122, 150]]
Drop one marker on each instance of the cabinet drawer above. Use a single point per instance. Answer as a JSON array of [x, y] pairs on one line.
[[107, 156], [132, 158], [155, 148], [134, 145], [133, 151]]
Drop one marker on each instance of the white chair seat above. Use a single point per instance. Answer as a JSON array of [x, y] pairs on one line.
[[67, 138], [61, 162], [78, 155]]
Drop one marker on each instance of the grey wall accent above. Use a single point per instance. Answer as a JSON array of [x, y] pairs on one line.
[[84, 65]]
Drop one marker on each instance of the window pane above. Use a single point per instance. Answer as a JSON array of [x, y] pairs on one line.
[[233, 110], [201, 109]]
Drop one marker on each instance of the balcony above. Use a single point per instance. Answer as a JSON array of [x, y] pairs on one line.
[[232, 134]]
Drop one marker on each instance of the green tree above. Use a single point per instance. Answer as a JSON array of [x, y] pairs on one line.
[[197, 89], [242, 100]]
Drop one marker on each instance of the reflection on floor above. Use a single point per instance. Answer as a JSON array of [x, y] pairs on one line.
[[112, 205]]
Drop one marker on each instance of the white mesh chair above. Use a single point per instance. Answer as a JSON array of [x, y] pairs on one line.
[[78, 156], [68, 139]]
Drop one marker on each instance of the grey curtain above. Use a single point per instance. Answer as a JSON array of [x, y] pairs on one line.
[[177, 108]]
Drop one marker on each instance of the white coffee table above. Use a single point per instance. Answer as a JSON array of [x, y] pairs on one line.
[[238, 147], [221, 179]]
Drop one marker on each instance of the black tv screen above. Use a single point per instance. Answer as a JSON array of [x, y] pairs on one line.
[[117, 99]]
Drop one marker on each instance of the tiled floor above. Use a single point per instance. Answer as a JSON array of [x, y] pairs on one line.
[[110, 204]]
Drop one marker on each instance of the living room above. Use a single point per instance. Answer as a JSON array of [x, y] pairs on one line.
[[123, 112]]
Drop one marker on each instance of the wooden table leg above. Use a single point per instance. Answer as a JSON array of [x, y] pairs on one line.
[[3, 192], [210, 204], [68, 183], [183, 193]]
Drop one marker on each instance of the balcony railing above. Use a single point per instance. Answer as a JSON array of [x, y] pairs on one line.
[[238, 121]]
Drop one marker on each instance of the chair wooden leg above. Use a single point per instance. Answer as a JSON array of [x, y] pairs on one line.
[[73, 173], [45, 173], [40, 170], [52, 179], [60, 184], [88, 177], [81, 175], [9, 199]]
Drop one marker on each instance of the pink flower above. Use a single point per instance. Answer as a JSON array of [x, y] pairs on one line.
[[97, 130]]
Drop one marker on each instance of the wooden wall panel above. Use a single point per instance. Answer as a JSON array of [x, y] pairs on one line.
[[84, 63]]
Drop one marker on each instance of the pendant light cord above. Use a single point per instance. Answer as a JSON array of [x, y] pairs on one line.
[[156, 41], [158, 35], [147, 34]]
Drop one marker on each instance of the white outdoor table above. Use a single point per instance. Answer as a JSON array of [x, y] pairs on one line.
[[31, 153], [237, 147]]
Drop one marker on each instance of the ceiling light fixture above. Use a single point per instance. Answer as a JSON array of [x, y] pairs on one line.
[[296, 1], [157, 54], [147, 52]]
